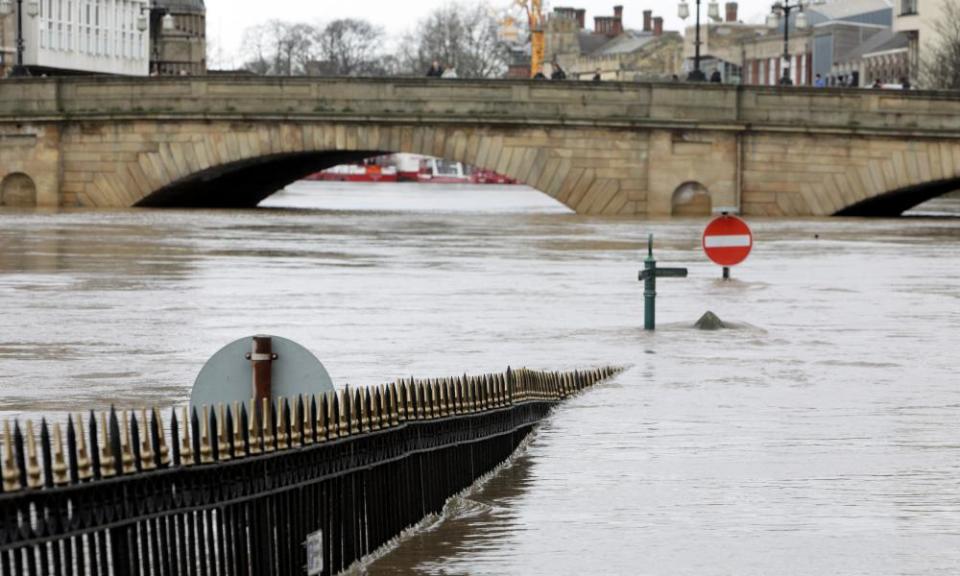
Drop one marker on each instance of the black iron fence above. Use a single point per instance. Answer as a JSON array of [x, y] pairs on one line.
[[307, 486]]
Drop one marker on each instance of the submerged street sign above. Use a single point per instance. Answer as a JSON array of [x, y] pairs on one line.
[[727, 241], [649, 276]]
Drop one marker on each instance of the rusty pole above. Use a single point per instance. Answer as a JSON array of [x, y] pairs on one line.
[[262, 357]]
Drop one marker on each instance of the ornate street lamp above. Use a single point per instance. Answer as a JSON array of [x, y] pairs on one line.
[[781, 14], [33, 8], [697, 75], [143, 20], [167, 21]]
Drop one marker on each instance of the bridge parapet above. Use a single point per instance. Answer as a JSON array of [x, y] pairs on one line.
[[485, 102]]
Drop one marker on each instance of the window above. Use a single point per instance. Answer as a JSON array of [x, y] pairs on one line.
[[908, 7]]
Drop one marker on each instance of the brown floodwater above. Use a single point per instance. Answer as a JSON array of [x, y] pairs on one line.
[[818, 437]]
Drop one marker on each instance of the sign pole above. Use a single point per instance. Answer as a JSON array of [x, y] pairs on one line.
[[261, 357], [649, 277], [726, 269], [650, 289]]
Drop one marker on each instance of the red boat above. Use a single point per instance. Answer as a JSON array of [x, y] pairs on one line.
[[356, 173], [490, 177], [410, 168]]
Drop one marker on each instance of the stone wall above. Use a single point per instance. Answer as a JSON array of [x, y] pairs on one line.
[[33, 151]]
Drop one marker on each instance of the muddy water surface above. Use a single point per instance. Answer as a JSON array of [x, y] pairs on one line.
[[820, 437]]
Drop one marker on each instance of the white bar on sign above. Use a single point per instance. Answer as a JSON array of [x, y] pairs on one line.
[[728, 242]]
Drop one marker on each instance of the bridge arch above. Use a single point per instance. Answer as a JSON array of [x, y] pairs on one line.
[[18, 190], [906, 174], [232, 164], [691, 199]]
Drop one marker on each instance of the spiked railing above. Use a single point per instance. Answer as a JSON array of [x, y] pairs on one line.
[[124, 494]]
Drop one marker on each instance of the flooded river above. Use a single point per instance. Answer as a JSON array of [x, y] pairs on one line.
[[820, 437]]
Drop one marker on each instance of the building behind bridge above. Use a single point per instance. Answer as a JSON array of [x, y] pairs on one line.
[[917, 21], [120, 37], [179, 46], [609, 48], [846, 42]]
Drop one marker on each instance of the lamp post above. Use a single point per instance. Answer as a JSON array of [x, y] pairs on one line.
[[33, 8], [781, 12], [697, 75]]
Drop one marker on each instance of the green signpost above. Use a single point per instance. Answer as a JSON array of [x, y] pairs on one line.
[[649, 276]]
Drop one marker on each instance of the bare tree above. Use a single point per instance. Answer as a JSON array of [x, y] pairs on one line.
[[294, 47], [347, 47], [940, 66], [217, 57], [463, 35], [279, 48], [351, 47], [256, 49]]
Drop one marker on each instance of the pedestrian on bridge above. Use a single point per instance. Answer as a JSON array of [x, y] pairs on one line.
[[435, 71], [558, 73]]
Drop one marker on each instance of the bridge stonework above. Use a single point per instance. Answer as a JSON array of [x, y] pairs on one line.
[[612, 149], [123, 165]]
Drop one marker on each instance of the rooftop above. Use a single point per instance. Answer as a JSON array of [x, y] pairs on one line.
[[180, 6]]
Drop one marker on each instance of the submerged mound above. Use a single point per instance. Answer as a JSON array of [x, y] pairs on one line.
[[710, 321]]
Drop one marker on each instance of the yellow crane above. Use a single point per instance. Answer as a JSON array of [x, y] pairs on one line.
[[538, 42]]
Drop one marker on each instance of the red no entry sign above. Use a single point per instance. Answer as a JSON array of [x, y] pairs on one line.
[[727, 241]]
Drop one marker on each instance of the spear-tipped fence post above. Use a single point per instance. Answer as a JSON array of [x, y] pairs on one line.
[[254, 429], [61, 476], [296, 426], [46, 454], [269, 430], [147, 457], [224, 434], [73, 450], [11, 474], [312, 418], [322, 418], [242, 440]]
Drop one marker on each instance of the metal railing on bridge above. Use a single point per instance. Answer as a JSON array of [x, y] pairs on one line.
[[307, 486]]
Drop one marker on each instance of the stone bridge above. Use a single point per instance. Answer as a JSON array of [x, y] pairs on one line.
[[618, 149]]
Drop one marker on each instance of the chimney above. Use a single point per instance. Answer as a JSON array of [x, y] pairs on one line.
[[605, 25], [617, 20], [658, 26], [582, 18], [648, 20], [572, 14], [618, 12], [732, 12]]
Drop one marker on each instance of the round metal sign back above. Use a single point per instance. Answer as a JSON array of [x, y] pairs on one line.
[[727, 241], [227, 377]]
